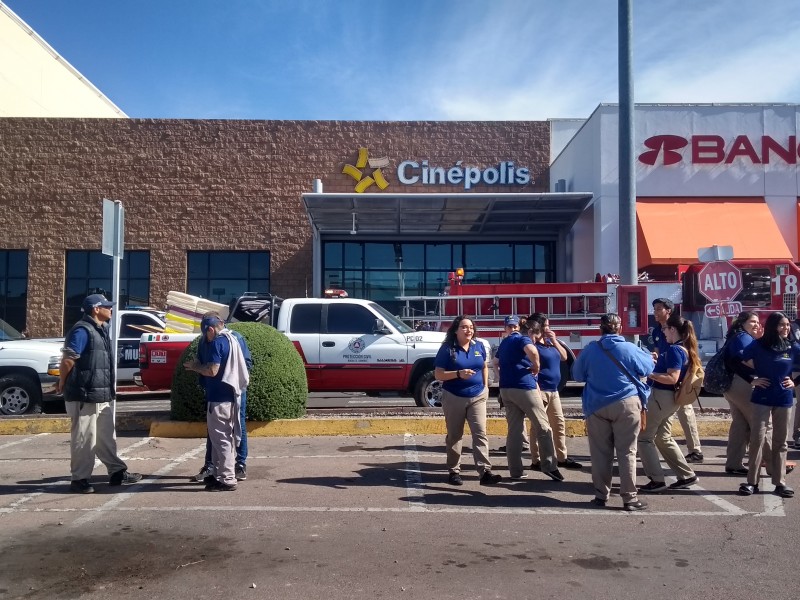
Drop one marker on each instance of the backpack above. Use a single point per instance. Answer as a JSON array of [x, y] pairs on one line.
[[718, 378], [689, 389]]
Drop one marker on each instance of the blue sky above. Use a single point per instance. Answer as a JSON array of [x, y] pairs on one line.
[[416, 59]]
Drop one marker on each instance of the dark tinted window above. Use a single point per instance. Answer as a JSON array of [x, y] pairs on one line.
[[306, 318], [91, 271], [134, 325], [14, 287], [224, 276], [350, 318]]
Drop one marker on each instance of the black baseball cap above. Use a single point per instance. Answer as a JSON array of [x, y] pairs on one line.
[[668, 304]]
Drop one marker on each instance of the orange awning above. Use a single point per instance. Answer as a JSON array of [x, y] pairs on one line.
[[671, 230]]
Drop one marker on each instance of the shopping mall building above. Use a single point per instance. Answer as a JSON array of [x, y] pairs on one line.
[[379, 209]]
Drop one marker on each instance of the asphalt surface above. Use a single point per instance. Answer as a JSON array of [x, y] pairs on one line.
[[373, 517]]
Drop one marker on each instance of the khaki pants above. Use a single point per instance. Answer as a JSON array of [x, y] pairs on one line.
[[657, 437], [519, 404], [92, 434], [758, 434], [555, 415], [615, 428], [688, 423], [458, 410], [219, 420], [796, 425], [738, 397]]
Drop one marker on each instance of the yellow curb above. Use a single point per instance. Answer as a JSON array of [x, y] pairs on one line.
[[383, 426], [312, 426]]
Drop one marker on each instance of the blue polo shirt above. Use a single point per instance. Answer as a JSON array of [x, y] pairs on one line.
[[549, 367], [515, 366], [734, 352], [673, 358], [215, 352], [775, 365], [660, 340], [454, 358]]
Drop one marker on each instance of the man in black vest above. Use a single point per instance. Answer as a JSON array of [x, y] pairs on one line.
[[87, 382]]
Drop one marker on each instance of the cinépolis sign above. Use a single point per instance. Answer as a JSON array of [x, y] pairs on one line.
[[368, 172]]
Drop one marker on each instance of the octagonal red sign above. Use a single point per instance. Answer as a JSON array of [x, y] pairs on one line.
[[719, 281]]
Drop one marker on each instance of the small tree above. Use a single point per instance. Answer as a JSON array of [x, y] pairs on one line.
[[278, 387]]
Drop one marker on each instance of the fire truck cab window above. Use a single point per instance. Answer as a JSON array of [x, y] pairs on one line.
[[757, 287]]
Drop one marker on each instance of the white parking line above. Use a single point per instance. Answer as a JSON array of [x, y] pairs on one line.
[[416, 495], [120, 498], [22, 441]]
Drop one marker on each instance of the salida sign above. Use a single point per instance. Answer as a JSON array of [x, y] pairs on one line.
[[714, 150], [720, 281]]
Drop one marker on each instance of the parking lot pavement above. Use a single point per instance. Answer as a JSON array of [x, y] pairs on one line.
[[352, 517]]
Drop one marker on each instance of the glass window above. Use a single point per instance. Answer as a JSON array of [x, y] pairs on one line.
[[381, 255], [438, 256], [223, 276], [14, 287], [333, 255], [90, 272], [489, 256], [350, 318], [353, 256], [134, 325], [306, 318]]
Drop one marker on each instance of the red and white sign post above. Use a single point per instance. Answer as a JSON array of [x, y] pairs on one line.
[[720, 282]]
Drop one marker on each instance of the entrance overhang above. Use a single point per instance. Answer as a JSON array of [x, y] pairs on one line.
[[523, 215]]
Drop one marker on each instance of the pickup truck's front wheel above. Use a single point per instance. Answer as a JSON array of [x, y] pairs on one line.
[[19, 395], [428, 391]]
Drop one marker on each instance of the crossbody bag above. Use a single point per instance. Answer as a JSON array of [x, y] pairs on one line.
[[636, 383]]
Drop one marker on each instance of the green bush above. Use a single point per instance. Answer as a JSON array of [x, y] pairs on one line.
[[278, 388]]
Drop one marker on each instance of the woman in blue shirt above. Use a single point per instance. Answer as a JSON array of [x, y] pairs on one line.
[[670, 368], [743, 331], [551, 354], [771, 358], [461, 366], [519, 364]]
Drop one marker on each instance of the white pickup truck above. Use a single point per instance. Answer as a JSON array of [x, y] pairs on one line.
[[346, 344], [29, 368], [28, 371]]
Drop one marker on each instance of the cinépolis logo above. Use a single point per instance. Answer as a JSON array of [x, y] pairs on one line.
[[413, 172]]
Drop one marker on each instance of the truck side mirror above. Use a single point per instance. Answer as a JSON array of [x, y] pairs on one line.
[[380, 327]]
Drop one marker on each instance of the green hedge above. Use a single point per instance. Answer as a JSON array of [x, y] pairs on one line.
[[278, 388]]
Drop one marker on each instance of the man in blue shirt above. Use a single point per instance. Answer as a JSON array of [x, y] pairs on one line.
[[213, 353], [87, 382], [241, 448]]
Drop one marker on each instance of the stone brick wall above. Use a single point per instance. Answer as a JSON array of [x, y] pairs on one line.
[[203, 185]]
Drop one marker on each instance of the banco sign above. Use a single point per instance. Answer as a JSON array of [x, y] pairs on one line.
[[714, 150]]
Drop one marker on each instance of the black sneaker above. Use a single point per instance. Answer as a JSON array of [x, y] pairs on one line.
[[536, 466], [224, 487], [748, 489], [652, 487], [634, 506], [683, 484], [455, 479], [694, 457], [211, 483], [124, 478], [555, 475], [204, 472], [739, 471], [489, 478], [241, 472], [81, 486], [784, 491], [568, 463], [599, 502]]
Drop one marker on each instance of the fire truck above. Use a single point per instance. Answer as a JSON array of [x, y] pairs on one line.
[[574, 309]]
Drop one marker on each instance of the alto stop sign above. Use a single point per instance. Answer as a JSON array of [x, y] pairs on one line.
[[719, 281]]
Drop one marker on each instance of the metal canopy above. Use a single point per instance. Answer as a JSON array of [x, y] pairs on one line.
[[527, 215]]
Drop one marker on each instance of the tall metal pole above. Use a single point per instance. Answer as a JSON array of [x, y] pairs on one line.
[[627, 169]]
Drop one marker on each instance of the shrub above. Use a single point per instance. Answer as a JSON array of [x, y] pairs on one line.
[[278, 388]]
